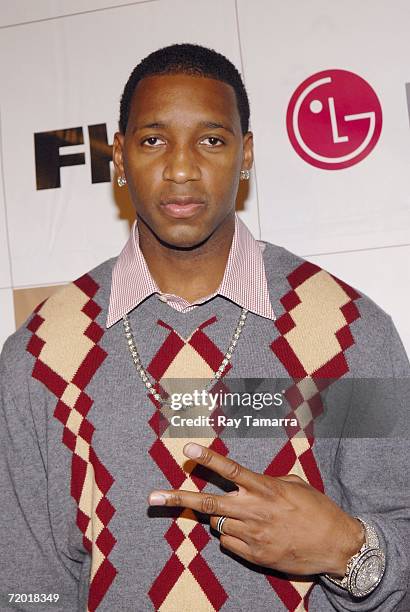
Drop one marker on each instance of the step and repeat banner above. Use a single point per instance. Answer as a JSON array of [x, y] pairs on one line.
[[329, 86]]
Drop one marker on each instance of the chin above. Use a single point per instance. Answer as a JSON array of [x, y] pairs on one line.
[[183, 238]]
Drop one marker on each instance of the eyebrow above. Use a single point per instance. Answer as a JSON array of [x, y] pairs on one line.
[[214, 126], [206, 124], [153, 125]]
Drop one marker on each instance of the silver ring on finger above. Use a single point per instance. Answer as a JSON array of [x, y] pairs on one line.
[[220, 523]]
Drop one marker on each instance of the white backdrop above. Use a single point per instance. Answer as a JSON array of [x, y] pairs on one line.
[[63, 65]]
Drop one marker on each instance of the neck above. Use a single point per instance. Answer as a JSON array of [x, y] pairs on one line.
[[191, 274]]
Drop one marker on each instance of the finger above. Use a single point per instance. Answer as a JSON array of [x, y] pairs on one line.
[[292, 478], [227, 468], [238, 547], [201, 502], [231, 526]]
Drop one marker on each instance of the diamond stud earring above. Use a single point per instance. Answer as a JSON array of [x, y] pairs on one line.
[[245, 174], [121, 180]]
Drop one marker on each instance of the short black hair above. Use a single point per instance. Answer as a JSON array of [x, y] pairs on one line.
[[186, 59]]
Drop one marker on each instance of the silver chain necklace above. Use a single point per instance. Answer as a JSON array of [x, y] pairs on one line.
[[143, 374]]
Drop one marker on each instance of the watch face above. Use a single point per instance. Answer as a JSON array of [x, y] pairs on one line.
[[368, 573]]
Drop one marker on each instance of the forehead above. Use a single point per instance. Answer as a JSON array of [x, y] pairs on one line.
[[181, 95]]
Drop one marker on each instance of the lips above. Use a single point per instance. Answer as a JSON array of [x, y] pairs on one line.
[[182, 207]]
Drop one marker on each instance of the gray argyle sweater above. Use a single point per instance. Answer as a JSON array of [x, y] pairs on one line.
[[83, 444]]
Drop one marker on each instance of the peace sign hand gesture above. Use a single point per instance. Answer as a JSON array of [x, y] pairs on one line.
[[282, 523]]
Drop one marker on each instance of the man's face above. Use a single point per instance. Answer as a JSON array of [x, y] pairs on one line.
[[182, 154]]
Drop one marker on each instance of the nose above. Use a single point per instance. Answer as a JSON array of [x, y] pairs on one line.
[[182, 166]]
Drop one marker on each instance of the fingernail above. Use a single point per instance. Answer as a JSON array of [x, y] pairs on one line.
[[157, 499], [193, 450]]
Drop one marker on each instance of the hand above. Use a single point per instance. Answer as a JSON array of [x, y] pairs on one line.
[[282, 523]]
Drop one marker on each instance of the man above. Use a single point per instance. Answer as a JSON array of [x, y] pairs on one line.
[[194, 296]]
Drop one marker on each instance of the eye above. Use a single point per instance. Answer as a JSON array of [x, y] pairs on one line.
[[152, 141], [213, 141]]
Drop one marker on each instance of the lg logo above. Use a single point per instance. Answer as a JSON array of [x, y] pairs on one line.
[[49, 160], [334, 119]]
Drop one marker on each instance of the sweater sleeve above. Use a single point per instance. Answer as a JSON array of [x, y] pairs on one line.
[[32, 575], [374, 475]]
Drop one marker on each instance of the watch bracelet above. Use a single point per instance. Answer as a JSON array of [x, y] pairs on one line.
[[371, 542]]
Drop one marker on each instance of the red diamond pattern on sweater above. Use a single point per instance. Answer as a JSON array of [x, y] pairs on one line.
[[314, 333], [186, 581], [64, 342]]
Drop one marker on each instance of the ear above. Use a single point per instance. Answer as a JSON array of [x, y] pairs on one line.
[[247, 159], [117, 153]]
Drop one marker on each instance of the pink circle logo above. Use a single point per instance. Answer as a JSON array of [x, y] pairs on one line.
[[334, 119]]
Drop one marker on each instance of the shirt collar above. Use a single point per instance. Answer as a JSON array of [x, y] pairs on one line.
[[244, 281]]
